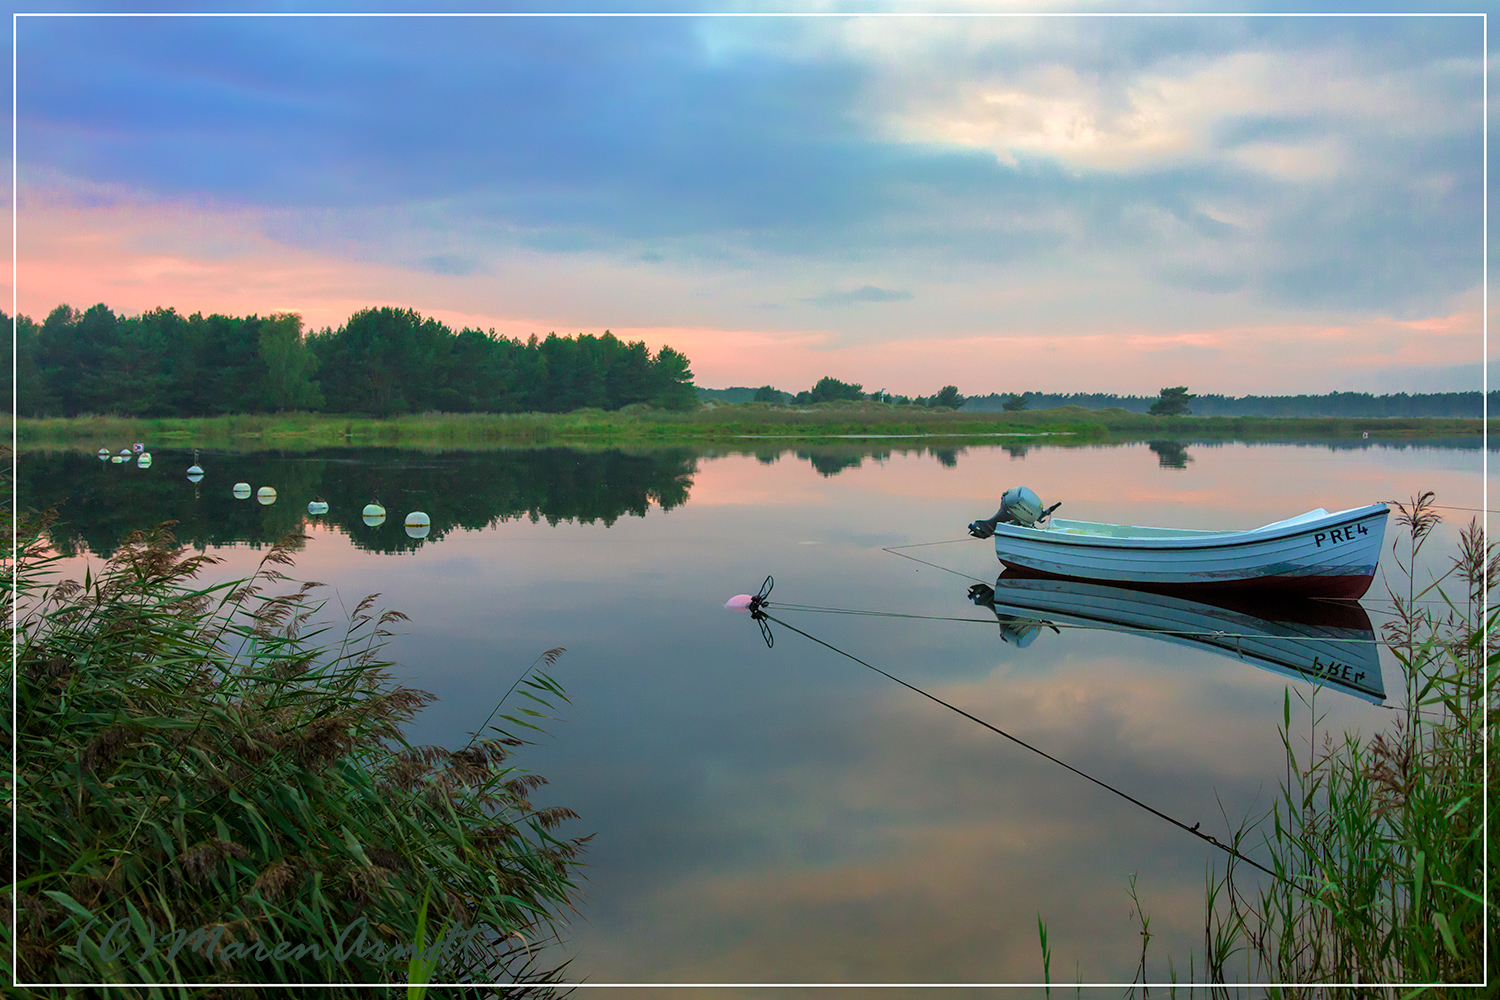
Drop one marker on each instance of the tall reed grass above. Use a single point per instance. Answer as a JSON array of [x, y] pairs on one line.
[[1377, 841], [214, 788]]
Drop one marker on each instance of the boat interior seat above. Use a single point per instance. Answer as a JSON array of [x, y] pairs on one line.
[[1311, 515]]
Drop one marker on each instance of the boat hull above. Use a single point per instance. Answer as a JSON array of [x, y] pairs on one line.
[[1331, 555]]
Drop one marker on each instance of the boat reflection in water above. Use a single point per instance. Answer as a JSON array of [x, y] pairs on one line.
[[1321, 642]]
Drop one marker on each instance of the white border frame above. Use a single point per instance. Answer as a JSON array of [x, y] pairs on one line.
[[1484, 450]]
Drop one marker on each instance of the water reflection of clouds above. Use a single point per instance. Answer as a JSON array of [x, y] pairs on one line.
[[919, 847], [786, 814]]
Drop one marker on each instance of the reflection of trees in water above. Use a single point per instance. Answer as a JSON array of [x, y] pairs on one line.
[[831, 459], [100, 503], [1171, 454]]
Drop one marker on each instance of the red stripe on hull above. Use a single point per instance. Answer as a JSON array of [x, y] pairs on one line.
[[1287, 586]]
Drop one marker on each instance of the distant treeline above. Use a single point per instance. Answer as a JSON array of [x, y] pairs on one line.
[[1333, 404], [828, 390], [382, 362]]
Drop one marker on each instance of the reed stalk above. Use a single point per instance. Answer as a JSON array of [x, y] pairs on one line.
[[1377, 842], [214, 790]]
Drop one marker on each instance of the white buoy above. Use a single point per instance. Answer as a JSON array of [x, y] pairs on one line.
[[266, 495], [374, 514], [103, 454], [145, 460], [418, 524], [118, 459], [317, 507], [242, 491]]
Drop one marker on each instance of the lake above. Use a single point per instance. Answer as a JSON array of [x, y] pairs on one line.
[[784, 814]]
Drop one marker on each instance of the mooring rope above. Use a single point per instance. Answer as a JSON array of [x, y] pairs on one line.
[[892, 550], [919, 545], [1134, 629], [759, 612]]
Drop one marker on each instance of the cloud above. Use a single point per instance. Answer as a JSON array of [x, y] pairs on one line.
[[865, 293], [1022, 177]]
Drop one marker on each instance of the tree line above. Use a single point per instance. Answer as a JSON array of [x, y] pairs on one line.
[[828, 390], [1333, 404], [383, 361]]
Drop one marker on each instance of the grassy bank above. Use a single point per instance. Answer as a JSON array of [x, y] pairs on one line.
[[638, 425], [212, 789]]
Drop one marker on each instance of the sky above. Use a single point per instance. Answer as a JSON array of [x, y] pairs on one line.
[[1008, 204]]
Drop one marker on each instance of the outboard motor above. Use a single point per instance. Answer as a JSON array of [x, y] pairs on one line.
[[1018, 505]]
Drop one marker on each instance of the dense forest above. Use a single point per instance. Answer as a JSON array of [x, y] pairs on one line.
[[387, 361], [382, 362]]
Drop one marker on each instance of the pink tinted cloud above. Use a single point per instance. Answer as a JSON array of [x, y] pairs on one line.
[[134, 255]]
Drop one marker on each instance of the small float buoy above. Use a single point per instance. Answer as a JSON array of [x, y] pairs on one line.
[[418, 524], [126, 453], [266, 495], [317, 507], [103, 454], [118, 459], [195, 473], [242, 491], [374, 515], [739, 602]]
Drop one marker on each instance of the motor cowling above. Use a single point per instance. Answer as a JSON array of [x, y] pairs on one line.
[[1018, 505]]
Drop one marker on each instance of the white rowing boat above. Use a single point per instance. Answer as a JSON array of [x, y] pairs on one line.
[[1322, 642], [1316, 554]]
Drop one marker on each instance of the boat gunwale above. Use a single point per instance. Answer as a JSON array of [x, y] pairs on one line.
[[1211, 539]]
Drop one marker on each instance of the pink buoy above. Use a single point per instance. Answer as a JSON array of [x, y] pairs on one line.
[[739, 602]]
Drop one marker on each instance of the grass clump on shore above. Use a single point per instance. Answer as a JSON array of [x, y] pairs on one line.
[[213, 788]]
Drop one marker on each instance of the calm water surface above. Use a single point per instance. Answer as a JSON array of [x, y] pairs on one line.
[[784, 814]]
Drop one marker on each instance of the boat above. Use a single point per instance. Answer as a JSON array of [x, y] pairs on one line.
[[1316, 554], [1327, 643]]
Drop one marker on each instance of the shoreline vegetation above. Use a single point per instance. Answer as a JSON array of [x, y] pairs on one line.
[[709, 423], [1376, 840], [216, 789]]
